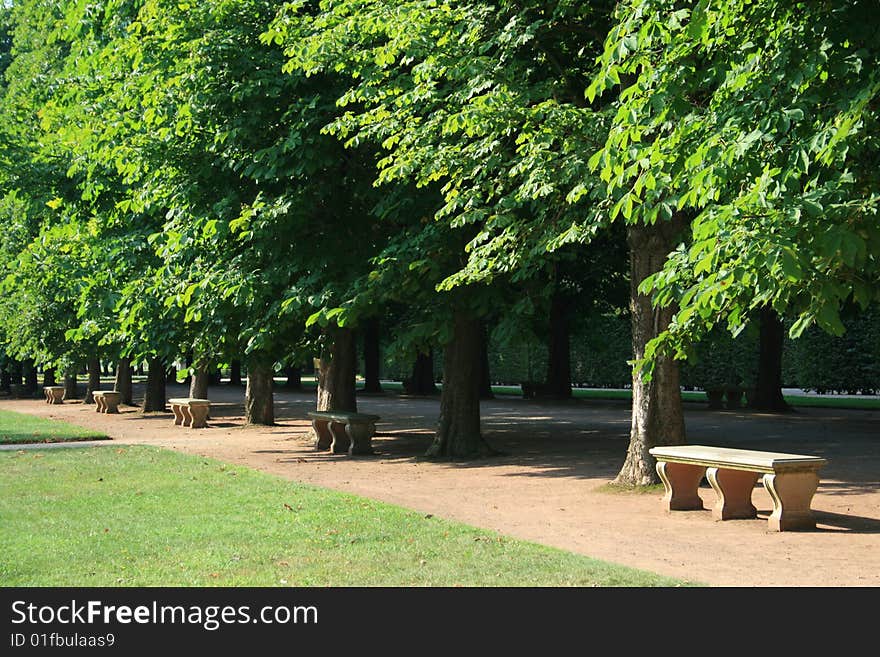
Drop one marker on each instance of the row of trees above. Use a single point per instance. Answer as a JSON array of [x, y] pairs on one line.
[[230, 179]]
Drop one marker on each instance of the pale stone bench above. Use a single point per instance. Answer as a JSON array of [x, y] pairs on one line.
[[54, 394], [190, 411], [107, 401], [791, 480], [344, 432]]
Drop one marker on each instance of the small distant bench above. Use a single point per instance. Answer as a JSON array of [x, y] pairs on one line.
[[107, 401], [54, 394], [344, 432], [791, 480], [190, 411]]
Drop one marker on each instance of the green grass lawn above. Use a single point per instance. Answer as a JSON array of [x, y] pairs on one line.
[[23, 428], [141, 516]]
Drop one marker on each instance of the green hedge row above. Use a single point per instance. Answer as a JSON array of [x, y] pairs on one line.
[[601, 347]]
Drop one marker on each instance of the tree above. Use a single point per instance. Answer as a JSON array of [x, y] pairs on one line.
[[480, 105]]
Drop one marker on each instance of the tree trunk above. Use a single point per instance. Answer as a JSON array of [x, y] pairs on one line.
[[31, 381], [154, 395], [71, 390], [422, 380], [337, 371], [49, 377], [294, 377], [559, 356], [372, 356], [657, 415], [214, 378], [458, 434], [122, 385], [171, 374], [6, 378], [485, 376], [198, 385], [94, 380], [235, 373], [768, 386], [259, 406]]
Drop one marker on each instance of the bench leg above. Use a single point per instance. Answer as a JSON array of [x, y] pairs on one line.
[[186, 412], [792, 494], [681, 482], [323, 437], [360, 437], [111, 407], [178, 414], [341, 441], [56, 397], [199, 416], [733, 489], [99, 404]]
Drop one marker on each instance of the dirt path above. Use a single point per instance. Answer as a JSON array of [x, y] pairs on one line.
[[546, 487]]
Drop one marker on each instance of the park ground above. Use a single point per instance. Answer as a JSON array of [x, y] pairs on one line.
[[550, 484]]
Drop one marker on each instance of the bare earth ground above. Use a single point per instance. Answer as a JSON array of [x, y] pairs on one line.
[[546, 488]]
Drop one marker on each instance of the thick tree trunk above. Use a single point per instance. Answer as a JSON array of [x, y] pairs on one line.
[[31, 381], [154, 395], [71, 390], [337, 372], [235, 373], [657, 415], [259, 404], [294, 377], [422, 380], [458, 434], [49, 377], [198, 385], [559, 356], [122, 385], [485, 376], [768, 387], [6, 378], [94, 380], [171, 374], [372, 356]]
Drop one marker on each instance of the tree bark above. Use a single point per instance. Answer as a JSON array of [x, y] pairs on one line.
[[198, 386], [337, 371], [94, 380], [31, 381], [235, 373], [559, 356], [768, 386], [259, 404], [154, 396], [372, 356], [458, 433], [422, 380], [71, 390], [122, 385], [657, 415], [294, 377]]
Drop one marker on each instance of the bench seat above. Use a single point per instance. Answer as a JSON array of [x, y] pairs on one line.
[[344, 432], [190, 411], [107, 401], [790, 479], [54, 394]]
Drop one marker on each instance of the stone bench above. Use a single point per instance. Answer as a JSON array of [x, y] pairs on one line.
[[344, 432], [54, 394], [190, 411], [107, 401], [791, 480]]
